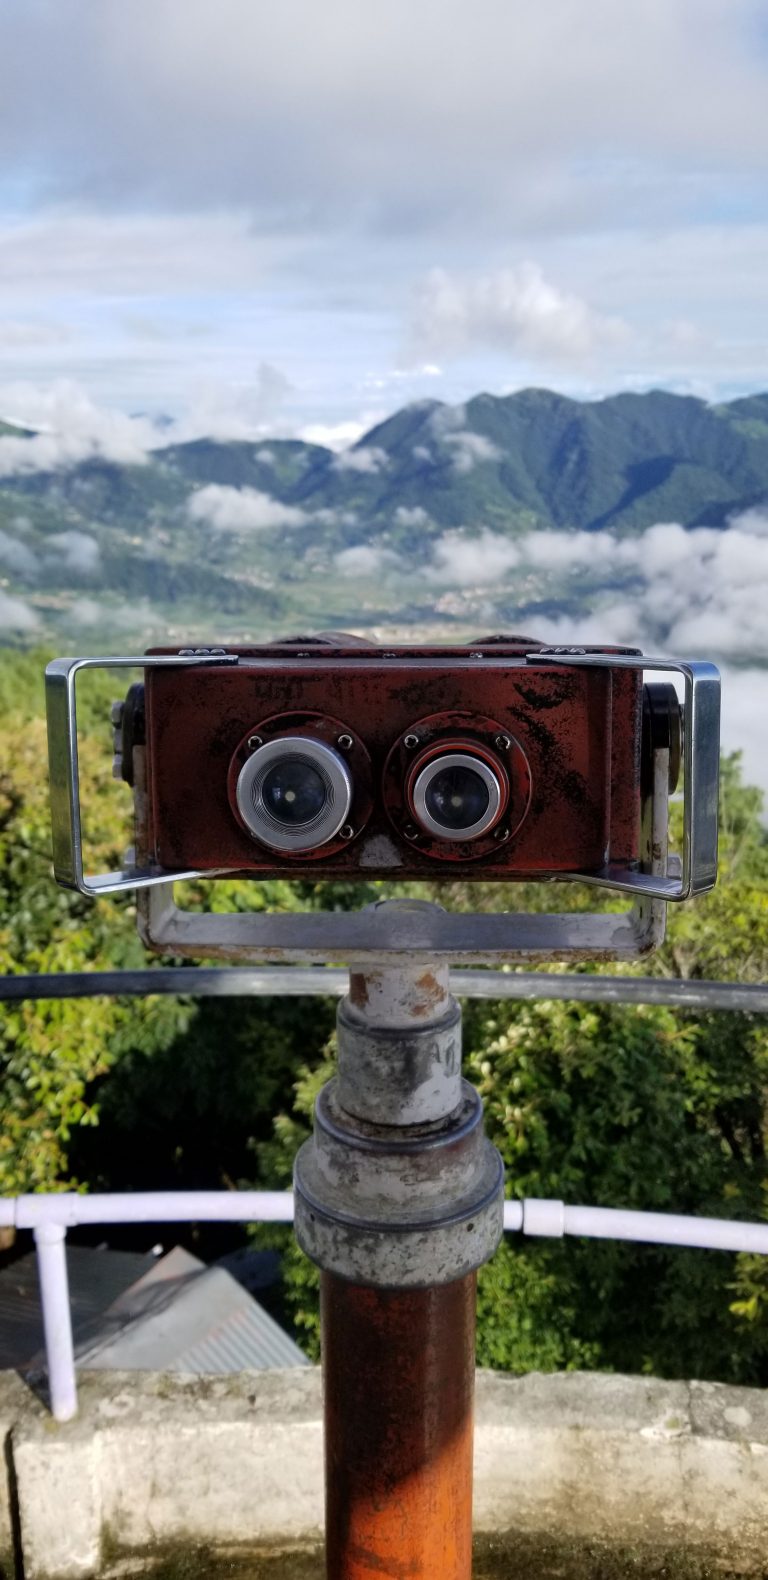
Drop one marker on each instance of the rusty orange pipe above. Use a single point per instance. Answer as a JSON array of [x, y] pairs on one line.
[[399, 1369]]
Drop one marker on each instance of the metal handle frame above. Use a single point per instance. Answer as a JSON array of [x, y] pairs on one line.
[[64, 765], [701, 727], [701, 774]]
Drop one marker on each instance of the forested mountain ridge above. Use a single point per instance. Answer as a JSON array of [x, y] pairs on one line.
[[249, 533]]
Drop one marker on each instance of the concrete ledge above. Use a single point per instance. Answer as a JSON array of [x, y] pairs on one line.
[[161, 1461]]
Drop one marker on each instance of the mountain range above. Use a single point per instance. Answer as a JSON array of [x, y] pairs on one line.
[[241, 538]]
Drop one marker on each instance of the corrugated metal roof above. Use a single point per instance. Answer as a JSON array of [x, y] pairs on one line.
[[183, 1316], [134, 1312], [96, 1279]]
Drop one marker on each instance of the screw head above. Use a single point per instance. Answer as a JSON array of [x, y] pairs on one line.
[[503, 743], [347, 832], [411, 742], [345, 742], [410, 832], [501, 834], [254, 741]]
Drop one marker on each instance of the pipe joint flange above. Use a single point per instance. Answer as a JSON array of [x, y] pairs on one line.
[[396, 1208]]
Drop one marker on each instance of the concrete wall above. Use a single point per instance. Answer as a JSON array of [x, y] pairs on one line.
[[158, 1460]]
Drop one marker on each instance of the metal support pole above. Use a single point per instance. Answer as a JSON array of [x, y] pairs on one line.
[[51, 1243], [399, 1372], [399, 1199]]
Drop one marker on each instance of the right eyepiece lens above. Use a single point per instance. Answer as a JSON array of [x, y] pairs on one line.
[[457, 797], [294, 792]]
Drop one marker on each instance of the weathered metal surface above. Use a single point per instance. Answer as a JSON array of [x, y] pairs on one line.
[[573, 771], [398, 1207], [398, 1186], [398, 1370], [399, 1076], [363, 937]]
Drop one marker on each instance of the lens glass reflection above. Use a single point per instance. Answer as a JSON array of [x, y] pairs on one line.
[[294, 792], [457, 797]]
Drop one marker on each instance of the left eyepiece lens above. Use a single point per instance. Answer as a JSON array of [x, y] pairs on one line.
[[294, 793]]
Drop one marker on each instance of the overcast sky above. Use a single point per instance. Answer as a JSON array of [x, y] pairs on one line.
[[294, 215]]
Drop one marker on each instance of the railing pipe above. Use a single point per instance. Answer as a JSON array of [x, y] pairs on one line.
[[213, 1206], [555, 1218], [50, 1240], [330, 982]]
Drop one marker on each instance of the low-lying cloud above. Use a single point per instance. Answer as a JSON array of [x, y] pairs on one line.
[[69, 428], [460, 560], [75, 551], [242, 509], [448, 425], [366, 458], [16, 615], [366, 559], [16, 556]]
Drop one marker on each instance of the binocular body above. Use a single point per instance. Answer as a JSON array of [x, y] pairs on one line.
[[349, 761]]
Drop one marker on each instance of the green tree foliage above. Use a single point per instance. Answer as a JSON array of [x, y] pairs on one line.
[[599, 1104], [53, 1053]]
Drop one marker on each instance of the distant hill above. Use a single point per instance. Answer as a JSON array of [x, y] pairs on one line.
[[96, 543]]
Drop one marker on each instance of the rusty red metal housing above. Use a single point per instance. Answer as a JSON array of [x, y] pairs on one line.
[[574, 775]]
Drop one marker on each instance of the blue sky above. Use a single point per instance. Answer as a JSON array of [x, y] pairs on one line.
[[275, 218]]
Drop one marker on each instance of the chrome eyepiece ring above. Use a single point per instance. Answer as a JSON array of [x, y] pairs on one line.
[[457, 796], [294, 793]]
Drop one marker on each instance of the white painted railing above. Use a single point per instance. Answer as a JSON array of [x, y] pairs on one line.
[[51, 1215]]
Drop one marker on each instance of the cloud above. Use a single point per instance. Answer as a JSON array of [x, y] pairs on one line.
[[88, 611], [469, 449], [78, 552], [242, 509], [699, 591], [15, 556], [366, 559], [463, 561], [24, 334], [333, 436], [537, 90], [225, 409], [136, 195], [74, 429], [513, 311], [447, 423], [366, 458], [16, 615], [415, 516]]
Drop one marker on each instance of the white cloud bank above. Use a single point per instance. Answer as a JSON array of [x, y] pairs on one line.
[[513, 311], [700, 591]]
